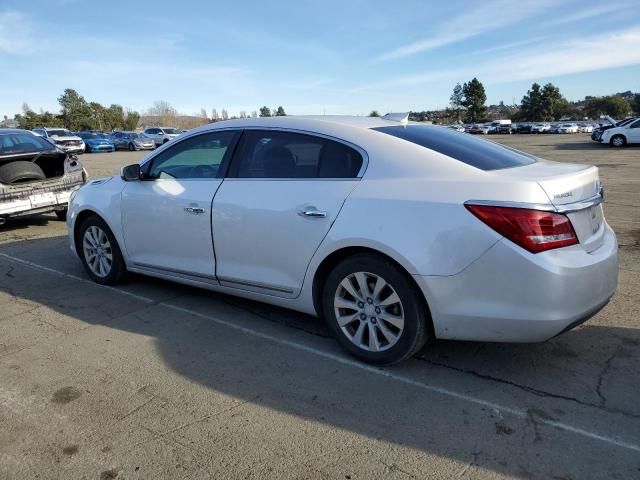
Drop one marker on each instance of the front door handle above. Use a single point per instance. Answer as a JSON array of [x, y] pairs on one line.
[[194, 210], [313, 213]]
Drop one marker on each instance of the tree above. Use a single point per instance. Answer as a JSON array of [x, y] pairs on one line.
[[254, 114], [613, 105], [265, 111], [474, 100], [456, 100], [163, 113], [225, 114], [374, 113], [280, 112], [554, 105], [131, 120], [76, 112], [243, 114], [635, 104], [203, 114], [214, 115], [531, 104]]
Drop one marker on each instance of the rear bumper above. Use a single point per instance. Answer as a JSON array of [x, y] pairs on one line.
[[31, 205], [510, 295]]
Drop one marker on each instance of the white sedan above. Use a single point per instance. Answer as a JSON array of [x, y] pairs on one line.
[[568, 128], [395, 233], [622, 136]]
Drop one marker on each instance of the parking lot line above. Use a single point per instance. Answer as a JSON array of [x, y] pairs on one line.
[[523, 414]]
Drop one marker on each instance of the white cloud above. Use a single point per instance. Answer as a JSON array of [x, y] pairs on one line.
[[15, 33], [485, 17], [611, 50]]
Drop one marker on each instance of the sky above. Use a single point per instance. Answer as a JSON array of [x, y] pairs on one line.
[[323, 57]]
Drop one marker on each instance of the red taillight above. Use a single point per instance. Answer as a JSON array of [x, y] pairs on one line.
[[534, 230]]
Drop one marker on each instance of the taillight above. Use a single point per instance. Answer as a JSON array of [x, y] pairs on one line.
[[534, 230]]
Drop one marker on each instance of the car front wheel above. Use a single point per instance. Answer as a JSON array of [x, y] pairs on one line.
[[618, 141], [375, 310], [99, 252]]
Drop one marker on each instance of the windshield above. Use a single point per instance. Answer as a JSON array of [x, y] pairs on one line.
[[86, 135], [465, 148], [171, 131], [59, 133], [23, 143]]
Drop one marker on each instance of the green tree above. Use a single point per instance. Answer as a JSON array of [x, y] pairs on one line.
[[374, 113], [114, 117], [280, 112], [635, 104], [613, 105], [76, 112], [457, 100], [265, 111], [131, 120], [474, 100], [531, 105]]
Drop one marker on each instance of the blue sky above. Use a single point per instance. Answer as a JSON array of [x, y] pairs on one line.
[[333, 57]]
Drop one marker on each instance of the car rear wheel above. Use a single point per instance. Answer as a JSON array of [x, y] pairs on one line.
[[20, 172], [375, 310], [618, 141], [131, 147], [99, 252]]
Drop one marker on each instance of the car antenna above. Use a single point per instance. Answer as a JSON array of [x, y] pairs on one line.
[[402, 118]]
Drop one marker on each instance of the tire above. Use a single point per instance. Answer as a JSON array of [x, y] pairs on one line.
[[618, 141], [21, 171], [408, 330], [165, 141], [131, 147], [62, 214], [87, 241]]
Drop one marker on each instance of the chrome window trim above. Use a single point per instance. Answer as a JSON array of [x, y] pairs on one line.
[[546, 207], [357, 148]]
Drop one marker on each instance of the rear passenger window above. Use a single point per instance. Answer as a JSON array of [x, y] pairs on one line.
[[277, 154]]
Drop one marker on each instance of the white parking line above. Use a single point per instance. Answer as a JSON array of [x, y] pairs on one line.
[[523, 414]]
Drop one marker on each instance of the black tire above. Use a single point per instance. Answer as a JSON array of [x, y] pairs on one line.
[[62, 214], [131, 147], [618, 141], [416, 316], [165, 141], [118, 269], [20, 172]]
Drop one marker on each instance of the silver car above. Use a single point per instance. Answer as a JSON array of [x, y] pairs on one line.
[[394, 232], [132, 141]]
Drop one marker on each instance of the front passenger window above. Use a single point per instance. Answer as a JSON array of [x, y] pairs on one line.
[[196, 157]]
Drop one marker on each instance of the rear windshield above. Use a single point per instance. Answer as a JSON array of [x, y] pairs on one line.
[[463, 147], [14, 143]]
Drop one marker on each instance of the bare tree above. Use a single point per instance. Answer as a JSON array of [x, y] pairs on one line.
[[254, 114], [161, 113], [225, 114], [214, 115], [243, 114]]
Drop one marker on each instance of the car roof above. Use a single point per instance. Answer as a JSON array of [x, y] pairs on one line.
[[7, 131]]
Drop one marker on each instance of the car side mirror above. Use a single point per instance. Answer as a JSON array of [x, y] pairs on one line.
[[130, 173]]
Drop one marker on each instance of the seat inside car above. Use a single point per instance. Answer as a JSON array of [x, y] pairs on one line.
[[279, 162]]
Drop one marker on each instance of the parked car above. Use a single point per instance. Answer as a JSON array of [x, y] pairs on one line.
[[457, 128], [607, 124], [478, 129], [96, 142], [568, 128], [161, 135], [540, 128], [35, 175], [622, 136], [518, 255], [63, 138], [132, 141], [585, 128], [555, 128], [525, 128]]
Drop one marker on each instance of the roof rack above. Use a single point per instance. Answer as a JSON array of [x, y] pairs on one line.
[[402, 118]]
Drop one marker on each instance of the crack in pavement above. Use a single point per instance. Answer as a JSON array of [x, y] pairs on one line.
[[536, 391], [604, 372]]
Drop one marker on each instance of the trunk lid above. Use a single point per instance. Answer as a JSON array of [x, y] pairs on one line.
[[567, 185]]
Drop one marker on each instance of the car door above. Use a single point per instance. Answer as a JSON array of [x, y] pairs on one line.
[[153, 134], [634, 132], [283, 192], [166, 216]]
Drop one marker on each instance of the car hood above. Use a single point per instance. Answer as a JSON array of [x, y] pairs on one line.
[[65, 138], [610, 120], [98, 141]]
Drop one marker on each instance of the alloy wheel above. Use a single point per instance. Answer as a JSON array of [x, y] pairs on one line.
[[369, 311], [97, 251]]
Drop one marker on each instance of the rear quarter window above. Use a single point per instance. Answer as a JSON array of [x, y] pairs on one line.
[[463, 147]]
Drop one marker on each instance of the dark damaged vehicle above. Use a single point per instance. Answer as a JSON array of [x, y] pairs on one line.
[[36, 176]]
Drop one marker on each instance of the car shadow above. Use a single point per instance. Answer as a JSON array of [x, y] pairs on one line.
[[593, 366]]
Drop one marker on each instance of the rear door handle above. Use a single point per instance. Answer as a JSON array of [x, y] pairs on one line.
[[194, 210]]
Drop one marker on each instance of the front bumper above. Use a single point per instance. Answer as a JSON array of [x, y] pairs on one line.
[[99, 148], [72, 148], [510, 295]]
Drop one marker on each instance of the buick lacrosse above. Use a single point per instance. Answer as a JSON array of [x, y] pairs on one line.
[[395, 233]]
